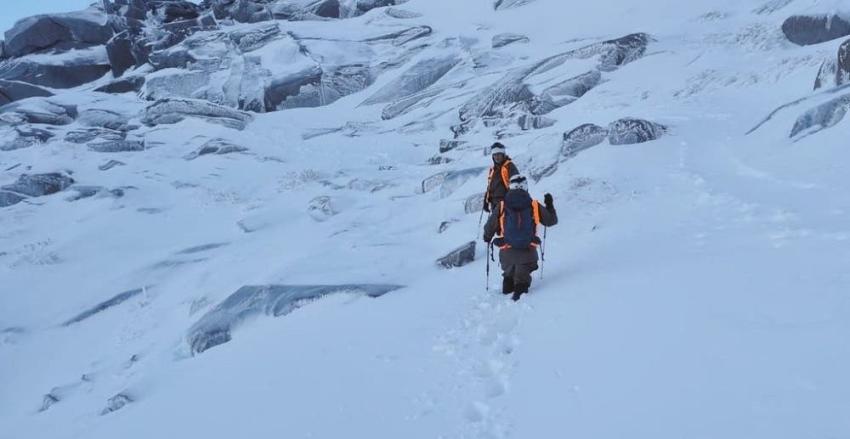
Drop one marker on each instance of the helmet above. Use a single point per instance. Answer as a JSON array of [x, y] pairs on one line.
[[518, 182]]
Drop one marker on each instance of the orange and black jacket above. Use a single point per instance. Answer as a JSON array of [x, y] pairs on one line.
[[498, 180]]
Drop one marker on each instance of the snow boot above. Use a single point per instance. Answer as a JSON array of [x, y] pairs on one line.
[[520, 290], [507, 285]]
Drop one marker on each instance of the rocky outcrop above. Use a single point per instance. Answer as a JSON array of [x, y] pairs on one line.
[[130, 84], [39, 111], [25, 136], [169, 111], [71, 73], [806, 30], [216, 327], [630, 131], [57, 32], [33, 185], [502, 40], [11, 91], [581, 138], [458, 257]]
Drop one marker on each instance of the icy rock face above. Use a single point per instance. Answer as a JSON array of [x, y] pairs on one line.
[[630, 131], [502, 40], [528, 122], [57, 32], [175, 83], [243, 11], [216, 147], [415, 79], [169, 111], [24, 137], [116, 403], [565, 93], [67, 75], [474, 203], [124, 85], [216, 327], [103, 306], [126, 50], [827, 75], [101, 118], [508, 4], [35, 185], [39, 110], [805, 30], [458, 257], [11, 91], [821, 117], [581, 138]]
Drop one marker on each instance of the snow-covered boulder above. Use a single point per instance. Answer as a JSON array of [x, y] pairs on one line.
[[102, 118], [821, 117], [458, 257], [11, 91], [321, 208], [805, 30], [56, 73], [23, 136], [10, 198], [630, 131], [169, 111], [39, 185], [86, 135], [582, 137], [216, 147], [530, 122], [111, 146], [126, 50], [565, 92], [216, 327], [243, 11], [127, 84], [58, 32], [418, 77], [502, 40], [116, 403], [39, 110]]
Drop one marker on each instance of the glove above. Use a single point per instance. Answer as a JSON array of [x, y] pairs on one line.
[[550, 203], [486, 206], [486, 240]]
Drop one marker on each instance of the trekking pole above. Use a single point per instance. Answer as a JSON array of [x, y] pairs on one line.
[[543, 253], [489, 255]]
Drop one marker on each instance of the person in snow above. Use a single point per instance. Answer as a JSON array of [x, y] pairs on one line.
[[515, 222], [499, 177]]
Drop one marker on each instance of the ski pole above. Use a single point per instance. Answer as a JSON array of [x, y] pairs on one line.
[[543, 253]]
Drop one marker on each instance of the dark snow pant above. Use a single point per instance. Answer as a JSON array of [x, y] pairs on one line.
[[519, 273]]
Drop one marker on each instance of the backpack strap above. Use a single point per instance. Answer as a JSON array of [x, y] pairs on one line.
[[506, 173]]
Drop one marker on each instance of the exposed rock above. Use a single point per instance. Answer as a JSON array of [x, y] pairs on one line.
[[415, 79], [9, 198], [110, 164], [630, 131], [57, 31], [827, 75], [67, 75], [39, 185], [821, 117], [621, 51], [321, 208], [581, 138], [175, 83], [83, 192], [448, 145], [243, 11], [253, 39], [48, 401], [806, 30], [40, 111], [449, 181], [502, 40], [528, 122], [216, 327], [178, 10], [216, 147], [565, 92], [11, 91], [103, 306], [842, 74], [89, 134], [116, 403], [25, 137], [458, 257], [508, 4], [127, 50], [169, 111], [402, 14], [123, 85], [316, 87], [118, 146]]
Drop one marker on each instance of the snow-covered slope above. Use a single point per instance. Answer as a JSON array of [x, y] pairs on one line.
[[265, 266]]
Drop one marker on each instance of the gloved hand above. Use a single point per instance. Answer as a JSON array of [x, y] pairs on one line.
[[486, 206], [486, 240], [548, 201]]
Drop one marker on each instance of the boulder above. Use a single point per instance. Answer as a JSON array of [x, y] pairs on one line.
[[118, 146], [130, 84], [216, 147], [458, 257], [630, 131], [821, 117], [66, 75], [502, 40], [827, 76], [39, 185], [100, 118], [530, 122], [58, 31], [402, 14], [11, 91], [10, 198], [25, 137], [216, 326], [116, 403], [621, 51], [448, 145], [40, 111], [175, 83], [178, 10], [126, 50], [565, 92], [170, 111], [87, 135], [581, 138], [243, 11], [805, 30]]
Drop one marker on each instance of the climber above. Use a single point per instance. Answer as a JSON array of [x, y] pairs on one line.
[[515, 221], [499, 177]]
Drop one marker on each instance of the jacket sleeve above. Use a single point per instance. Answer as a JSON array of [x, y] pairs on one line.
[[548, 218], [491, 228], [512, 170]]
